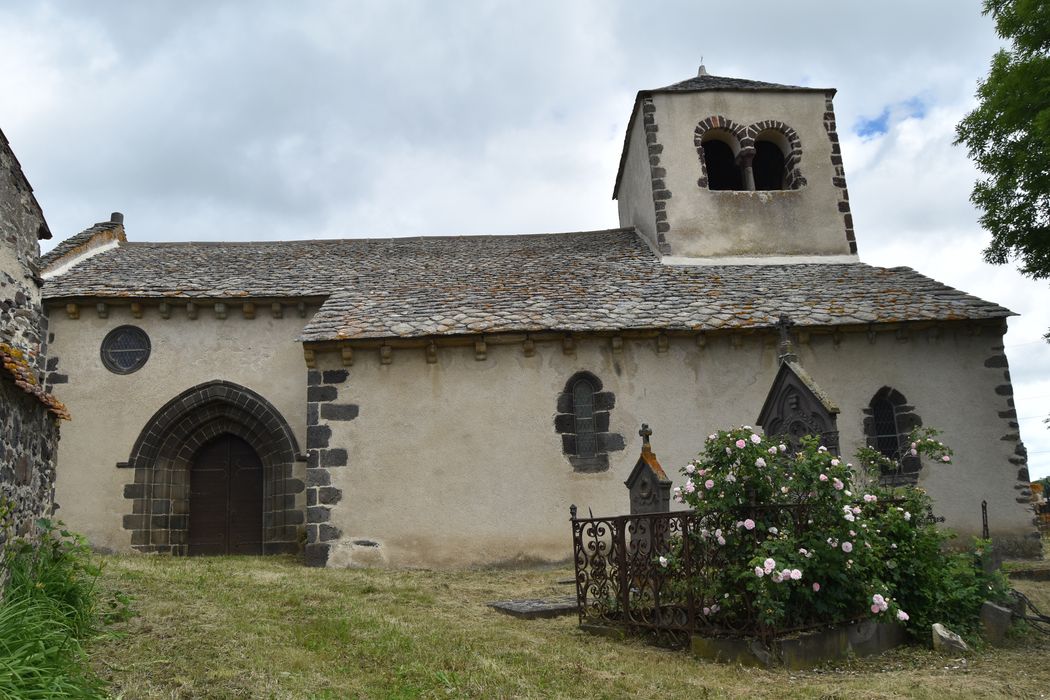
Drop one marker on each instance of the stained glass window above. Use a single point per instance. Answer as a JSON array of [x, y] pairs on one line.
[[125, 349], [583, 409]]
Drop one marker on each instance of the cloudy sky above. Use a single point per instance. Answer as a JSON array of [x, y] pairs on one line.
[[270, 120]]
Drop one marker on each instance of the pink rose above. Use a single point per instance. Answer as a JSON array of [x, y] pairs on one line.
[[875, 609], [755, 439], [741, 444], [847, 547], [816, 587], [749, 524], [710, 484], [759, 571], [823, 477], [837, 483], [946, 458], [902, 616], [760, 462], [796, 575]]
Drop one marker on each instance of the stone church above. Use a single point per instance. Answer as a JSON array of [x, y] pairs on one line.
[[440, 401]]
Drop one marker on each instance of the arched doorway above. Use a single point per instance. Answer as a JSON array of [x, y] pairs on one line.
[[165, 457], [226, 497]]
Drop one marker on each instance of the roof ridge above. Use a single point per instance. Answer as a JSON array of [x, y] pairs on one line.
[[67, 244], [480, 236]]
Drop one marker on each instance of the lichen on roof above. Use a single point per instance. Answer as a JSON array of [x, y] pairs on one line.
[[20, 371], [573, 282]]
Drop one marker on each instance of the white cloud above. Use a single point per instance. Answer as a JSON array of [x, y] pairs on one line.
[[272, 120]]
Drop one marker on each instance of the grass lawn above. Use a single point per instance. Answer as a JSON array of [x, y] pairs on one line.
[[271, 628]]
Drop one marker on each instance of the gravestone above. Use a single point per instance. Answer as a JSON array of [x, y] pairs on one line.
[[648, 485]]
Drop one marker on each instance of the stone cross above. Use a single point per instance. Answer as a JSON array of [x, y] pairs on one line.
[[645, 432], [784, 325], [787, 348]]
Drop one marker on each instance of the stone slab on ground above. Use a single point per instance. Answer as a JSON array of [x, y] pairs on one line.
[[804, 650], [536, 608], [1030, 574]]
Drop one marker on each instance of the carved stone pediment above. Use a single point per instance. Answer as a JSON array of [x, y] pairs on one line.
[[797, 406]]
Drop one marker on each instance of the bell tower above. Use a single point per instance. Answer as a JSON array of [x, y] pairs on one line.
[[730, 171]]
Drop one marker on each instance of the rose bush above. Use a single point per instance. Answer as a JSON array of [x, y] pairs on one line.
[[802, 538]]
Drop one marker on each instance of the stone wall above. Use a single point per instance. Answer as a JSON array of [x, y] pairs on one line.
[[28, 414], [28, 433]]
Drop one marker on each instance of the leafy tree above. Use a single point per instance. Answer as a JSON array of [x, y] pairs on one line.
[[1008, 136]]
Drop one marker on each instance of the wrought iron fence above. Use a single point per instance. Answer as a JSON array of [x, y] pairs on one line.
[[620, 582]]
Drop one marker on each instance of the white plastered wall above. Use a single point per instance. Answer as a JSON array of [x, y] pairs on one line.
[[458, 462], [634, 198], [109, 410]]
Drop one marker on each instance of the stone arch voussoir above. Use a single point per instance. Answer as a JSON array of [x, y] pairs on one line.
[[718, 122], [792, 159], [164, 451]]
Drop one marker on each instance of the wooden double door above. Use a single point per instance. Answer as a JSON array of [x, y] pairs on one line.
[[226, 498]]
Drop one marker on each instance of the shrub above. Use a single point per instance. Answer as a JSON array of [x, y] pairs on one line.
[[808, 539]]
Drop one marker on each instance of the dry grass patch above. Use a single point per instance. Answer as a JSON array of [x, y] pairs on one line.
[[270, 628]]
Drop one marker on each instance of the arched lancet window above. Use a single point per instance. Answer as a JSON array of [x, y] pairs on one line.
[[720, 151], [888, 421], [582, 421], [887, 435], [583, 411]]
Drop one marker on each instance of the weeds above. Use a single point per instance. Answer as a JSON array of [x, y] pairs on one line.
[[50, 607]]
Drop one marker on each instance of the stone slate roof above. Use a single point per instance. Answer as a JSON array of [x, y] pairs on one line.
[[75, 241], [587, 281], [717, 82]]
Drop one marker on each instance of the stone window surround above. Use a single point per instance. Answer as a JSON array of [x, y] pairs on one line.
[[565, 425], [163, 454], [905, 420], [745, 138]]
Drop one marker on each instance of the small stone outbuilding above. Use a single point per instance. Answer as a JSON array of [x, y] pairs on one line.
[[29, 415]]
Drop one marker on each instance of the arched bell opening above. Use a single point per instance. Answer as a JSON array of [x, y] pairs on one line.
[[720, 150]]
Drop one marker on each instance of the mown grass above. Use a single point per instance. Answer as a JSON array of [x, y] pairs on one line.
[[270, 628]]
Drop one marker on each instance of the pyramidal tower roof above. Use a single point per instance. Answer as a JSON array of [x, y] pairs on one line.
[[705, 81]]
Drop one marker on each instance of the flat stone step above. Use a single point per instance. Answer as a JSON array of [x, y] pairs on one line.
[[537, 608]]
